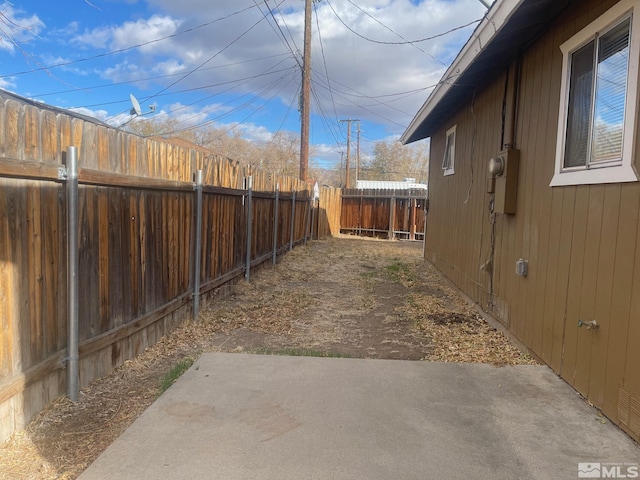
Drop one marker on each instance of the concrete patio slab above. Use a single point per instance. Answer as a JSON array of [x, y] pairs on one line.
[[237, 416]]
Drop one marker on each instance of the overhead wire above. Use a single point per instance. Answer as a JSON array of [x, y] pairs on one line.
[[324, 61], [157, 77], [237, 82], [194, 70], [288, 30], [329, 84], [238, 123], [329, 126], [397, 34], [217, 105], [287, 112], [265, 15], [404, 42], [244, 105], [282, 36], [125, 49]]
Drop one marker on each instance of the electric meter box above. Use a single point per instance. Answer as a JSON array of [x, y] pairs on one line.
[[506, 187]]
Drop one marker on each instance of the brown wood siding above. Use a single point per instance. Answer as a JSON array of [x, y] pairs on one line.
[[458, 237], [581, 242]]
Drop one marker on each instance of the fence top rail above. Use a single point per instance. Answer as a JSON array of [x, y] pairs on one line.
[[89, 176], [379, 193], [229, 192], [13, 168], [388, 196], [10, 167]]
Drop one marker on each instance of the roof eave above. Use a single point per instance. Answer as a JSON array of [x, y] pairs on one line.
[[490, 26]]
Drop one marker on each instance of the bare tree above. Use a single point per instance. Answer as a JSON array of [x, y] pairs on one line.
[[393, 161]]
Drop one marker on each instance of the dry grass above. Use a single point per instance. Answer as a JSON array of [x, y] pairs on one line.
[[462, 335], [334, 298]]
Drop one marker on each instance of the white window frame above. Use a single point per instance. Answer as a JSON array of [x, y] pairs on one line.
[[449, 169], [623, 171]]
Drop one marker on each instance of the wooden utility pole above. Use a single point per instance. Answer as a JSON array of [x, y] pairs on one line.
[[348, 175], [305, 105]]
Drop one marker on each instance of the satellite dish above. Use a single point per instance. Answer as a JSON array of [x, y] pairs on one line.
[[135, 104]]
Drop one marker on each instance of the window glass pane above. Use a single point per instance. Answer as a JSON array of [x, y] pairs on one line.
[[579, 113], [447, 161], [610, 95]]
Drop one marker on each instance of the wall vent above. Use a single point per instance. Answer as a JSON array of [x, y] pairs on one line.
[[629, 410]]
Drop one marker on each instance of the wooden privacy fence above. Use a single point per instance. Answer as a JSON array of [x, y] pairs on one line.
[[391, 214], [155, 230]]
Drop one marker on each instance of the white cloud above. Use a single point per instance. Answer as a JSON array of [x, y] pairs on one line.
[[362, 73], [96, 38], [131, 34], [17, 27], [101, 115], [253, 132], [143, 31], [366, 77]]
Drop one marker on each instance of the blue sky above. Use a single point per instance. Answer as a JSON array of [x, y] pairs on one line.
[[234, 64]]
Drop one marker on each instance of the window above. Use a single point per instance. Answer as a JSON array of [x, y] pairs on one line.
[[449, 152], [596, 125]]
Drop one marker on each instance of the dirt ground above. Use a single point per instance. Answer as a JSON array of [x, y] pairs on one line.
[[344, 296]]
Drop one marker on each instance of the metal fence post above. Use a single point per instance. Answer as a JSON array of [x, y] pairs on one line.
[[392, 218], [73, 376], [313, 220], [307, 221], [198, 246], [249, 186], [275, 225], [293, 220]]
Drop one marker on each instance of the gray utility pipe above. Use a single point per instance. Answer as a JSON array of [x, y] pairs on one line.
[[73, 382]]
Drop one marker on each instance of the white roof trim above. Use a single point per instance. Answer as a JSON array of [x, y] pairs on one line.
[[491, 24]]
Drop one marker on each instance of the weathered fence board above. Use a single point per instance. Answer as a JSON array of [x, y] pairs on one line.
[[136, 246], [384, 213]]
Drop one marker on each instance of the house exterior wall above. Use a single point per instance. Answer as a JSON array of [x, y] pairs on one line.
[[582, 242]]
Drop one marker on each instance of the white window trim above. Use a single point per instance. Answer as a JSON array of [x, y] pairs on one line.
[[451, 169], [625, 172]]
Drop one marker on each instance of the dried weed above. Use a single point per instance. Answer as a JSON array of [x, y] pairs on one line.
[[318, 296]]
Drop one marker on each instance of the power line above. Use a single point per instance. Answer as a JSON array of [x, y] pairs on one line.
[[397, 34], [244, 105], [217, 105], [191, 72], [200, 66], [157, 77], [288, 31], [330, 126], [282, 36], [233, 83], [324, 61], [405, 42], [114, 52]]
